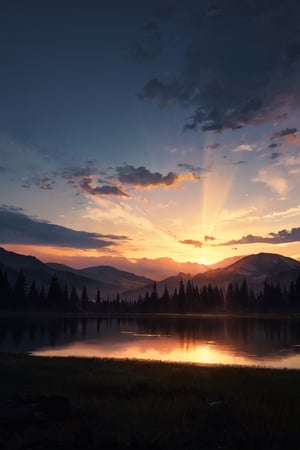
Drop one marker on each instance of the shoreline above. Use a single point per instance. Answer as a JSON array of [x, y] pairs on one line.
[[95, 315]]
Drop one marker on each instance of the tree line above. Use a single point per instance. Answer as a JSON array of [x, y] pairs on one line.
[[187, 298], [190, 298], [23, 296]]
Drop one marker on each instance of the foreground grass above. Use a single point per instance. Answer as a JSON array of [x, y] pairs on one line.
[[149, 405]]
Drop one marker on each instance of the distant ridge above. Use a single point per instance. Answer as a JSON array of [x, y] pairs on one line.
[[156, 269], [110, 280], [255, 269], [225, 262]]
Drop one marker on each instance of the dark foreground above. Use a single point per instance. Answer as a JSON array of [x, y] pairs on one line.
[[74, 403]]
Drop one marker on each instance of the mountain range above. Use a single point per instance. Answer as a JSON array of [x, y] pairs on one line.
[[111, 280], [108, 280]]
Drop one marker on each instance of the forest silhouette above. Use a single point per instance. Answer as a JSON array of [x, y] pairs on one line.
[[186, 298]]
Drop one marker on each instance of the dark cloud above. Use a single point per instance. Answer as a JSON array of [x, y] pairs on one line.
[[196, 244], [209, 238], [41, 182], [140, 176], [275, 155], [3, 169], [81, 178], [105, 189], [190, 126], [195, 170], [281, 237], [285, 132], [273, 145], [18, 228], [167, 93], [238, 163], [80, 171], [213, 146], [212, 127], [240, 62]]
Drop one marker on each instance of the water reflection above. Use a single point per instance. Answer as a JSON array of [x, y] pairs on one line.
[[246, 341]]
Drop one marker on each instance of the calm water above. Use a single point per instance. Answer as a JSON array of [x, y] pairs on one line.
[[243, 341]]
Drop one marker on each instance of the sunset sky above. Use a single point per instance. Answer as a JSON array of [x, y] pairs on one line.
[[149, 129]]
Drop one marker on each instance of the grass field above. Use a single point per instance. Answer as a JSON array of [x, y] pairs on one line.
[[78, 403]]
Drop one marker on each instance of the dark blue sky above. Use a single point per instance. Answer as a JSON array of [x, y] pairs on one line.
[[171, 126]]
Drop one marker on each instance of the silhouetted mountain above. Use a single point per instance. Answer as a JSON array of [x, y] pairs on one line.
[[33, 268], [119, 279], [225, 262], [255, 269], [171, 283], [109, 280], [155, 269], [161, 268]]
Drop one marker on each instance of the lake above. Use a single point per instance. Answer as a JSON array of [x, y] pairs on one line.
[[270, 342]]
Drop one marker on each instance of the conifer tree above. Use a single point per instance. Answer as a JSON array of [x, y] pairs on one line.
[[33, 295], [181, 296], [19, 291], [165, 299], [66, 298], [98, 300], [154, 297], [5, 290], [55, 294], [42, 298], [74, 301], [84, 300]]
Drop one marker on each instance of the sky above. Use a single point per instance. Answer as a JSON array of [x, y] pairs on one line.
[[149, 129]]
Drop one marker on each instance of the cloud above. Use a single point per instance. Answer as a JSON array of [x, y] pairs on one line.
[[18, 228], [3, 169], [41, 182], [86, 179], [81, 171], [293, 139], [196, 244], [243, 148], [274, 179], [281, 237], [104, 189], [275, 155], [213, 146], [238, 163], [209, 238], [195, 170], [142, 177], [240, 62], [167, 93], [283, 133], [273, 145]]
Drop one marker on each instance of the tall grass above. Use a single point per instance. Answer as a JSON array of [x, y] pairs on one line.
[[150, 405]]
